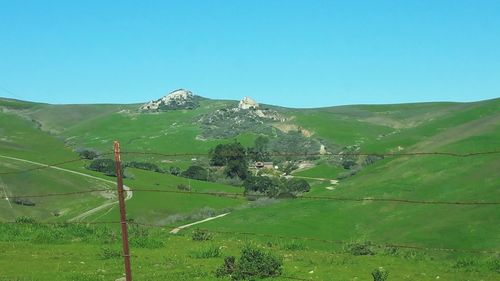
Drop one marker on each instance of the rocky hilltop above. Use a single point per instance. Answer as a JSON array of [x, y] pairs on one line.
[[178, 99], [231, 121], [248, 103]]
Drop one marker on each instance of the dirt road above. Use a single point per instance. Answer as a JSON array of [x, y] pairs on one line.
[[129, 193]]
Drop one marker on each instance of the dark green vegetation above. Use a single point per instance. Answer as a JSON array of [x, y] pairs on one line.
[[38, 132]]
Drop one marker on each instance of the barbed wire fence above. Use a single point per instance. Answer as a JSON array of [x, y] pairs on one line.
[[124, 222]]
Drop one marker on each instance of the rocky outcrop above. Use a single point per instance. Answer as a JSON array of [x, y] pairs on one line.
[[178, 99], [248, 103], [231, 121]]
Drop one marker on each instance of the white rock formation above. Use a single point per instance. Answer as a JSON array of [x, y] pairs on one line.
[[179, 97], [248, 103]]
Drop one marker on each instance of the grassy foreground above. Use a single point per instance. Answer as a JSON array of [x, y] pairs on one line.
[[88, 253]]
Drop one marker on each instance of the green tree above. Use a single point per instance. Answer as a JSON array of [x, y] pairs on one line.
[[260, 151], [233, 156], [106, 166], [297, 185], [263, 185], [88, 154], [196, 172], [175, 171]]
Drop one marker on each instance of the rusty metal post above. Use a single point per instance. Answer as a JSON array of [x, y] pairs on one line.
[[123, 216]]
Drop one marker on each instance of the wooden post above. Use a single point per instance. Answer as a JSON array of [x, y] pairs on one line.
[[123, 216]]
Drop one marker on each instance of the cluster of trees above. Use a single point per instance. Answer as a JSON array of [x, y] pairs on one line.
[[196, 173], [144, 166], [229, 162], [273, 187], [233, 157], [108, 166], [103, 165], [88, 154]]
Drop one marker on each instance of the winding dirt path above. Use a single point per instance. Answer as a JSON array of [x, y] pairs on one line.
[[129, 193], [177, 229]]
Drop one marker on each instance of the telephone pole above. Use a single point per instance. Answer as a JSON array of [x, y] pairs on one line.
[[123, 216]]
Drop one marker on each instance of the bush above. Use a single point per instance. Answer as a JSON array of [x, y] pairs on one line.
[[391, 251], [380, 274], [360, 248], [201, 235], [464, 263], [106, 166], [144, 166], [108, 253], [371, 159], [25, 220], [253, 263], [88, 154], [262, 185], [24, 202], [494, 264], [175, 171], [183, 187], [207, 253], [293, 246], [141, 237], [196, 172], [297, 186]]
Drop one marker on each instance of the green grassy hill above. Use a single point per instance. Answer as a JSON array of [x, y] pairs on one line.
[[51, 133]]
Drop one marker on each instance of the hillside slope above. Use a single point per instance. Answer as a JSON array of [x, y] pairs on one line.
[[428, 127]]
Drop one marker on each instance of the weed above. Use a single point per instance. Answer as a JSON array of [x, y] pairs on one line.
[[201, 235], [207, 253], [363, 248], [293, 246], [108, 253], [380, 274]]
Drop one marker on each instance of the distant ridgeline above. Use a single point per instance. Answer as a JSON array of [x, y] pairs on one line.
[[176, 100]]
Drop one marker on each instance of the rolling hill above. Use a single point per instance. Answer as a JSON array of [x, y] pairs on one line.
[[54, 133]]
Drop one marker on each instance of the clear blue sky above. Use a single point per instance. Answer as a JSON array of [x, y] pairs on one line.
[[292, 53]]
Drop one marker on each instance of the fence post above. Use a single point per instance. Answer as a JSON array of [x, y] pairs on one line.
[[123, 216]]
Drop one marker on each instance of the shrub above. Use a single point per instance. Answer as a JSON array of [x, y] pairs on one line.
[[108, 253], [494, 264], [144, 166], [371, 159], [141, 238], [297, 185], [88, 154], [262, 185], [207, 253], [380, 274], [25, 220], [201, 235], [360, 248], [24, 202], [289, 167], [294, 246], [391, 251], [175, 171], [183, 187], [464, 263], [106, 166], [196, 172], [253, 263], [228, 268]]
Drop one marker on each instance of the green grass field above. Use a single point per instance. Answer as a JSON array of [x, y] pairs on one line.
[[50, 134], [93, 253]]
